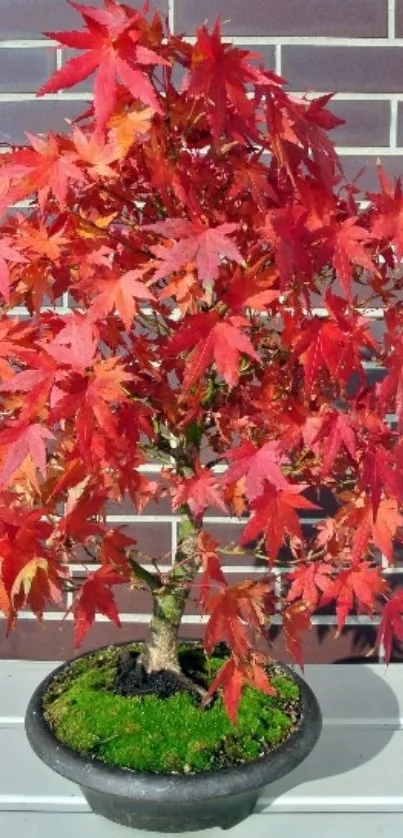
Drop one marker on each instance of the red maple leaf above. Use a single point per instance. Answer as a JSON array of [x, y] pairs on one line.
[[274, 515], [308, 581], [80, 519], [252, 179], [198, 492], [119, 292], [36, 582], [287, 231], [257, 465], [236, 609], [391, 625], [296, 619], [95, 596], [391, 388], [359, 585], [388, 219], [378, 472], [386, 527], [338, 431], [8, 254], [380, 527], [333, 344], [233, 676], [198, 243], [93, 150], [221, 72], [324, 346], [76, 343], [347, 239], [106, 384], [247, 292], [112, 51], [212, 571], [21, 442], [45, 168], [213, 340]]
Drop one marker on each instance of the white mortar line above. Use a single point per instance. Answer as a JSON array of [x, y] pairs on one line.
[[59, 58], [79, 569], [350, 96], [241, 40], [373, 151], [208, 519], [171, 15], [393, 124], [284, 40], [278, 59], [307, 40], [174, 543], [391, 19], [23, 43], [80, 96], [192, 619]]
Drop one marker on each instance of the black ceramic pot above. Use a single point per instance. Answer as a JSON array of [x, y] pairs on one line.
[[168, 802]]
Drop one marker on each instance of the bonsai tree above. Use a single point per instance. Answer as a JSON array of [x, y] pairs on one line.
[[197, 277]]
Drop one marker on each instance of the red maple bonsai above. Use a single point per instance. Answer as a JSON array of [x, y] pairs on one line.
[[218, 270]]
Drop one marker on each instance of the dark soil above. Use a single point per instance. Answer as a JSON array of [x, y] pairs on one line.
[[132, 679]]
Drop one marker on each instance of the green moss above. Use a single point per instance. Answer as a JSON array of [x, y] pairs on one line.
[[146, 733]]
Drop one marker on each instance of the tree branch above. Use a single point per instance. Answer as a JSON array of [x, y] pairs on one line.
[[152, 580]]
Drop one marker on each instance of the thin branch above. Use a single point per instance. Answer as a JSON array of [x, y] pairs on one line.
[[152, 580]]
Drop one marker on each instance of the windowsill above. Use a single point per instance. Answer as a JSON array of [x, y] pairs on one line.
[[355, 772]]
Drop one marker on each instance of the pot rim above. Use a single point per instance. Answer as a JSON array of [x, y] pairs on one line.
[[93, 774]]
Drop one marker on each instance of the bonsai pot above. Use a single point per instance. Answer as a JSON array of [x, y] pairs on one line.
[[172, 802]]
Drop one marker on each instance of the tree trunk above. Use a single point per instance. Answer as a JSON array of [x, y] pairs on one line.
[[160, 650]]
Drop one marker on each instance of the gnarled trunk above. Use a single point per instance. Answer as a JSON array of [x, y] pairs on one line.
[[160, 650]]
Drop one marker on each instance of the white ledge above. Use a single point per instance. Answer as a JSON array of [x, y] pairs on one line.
[[355, 771]]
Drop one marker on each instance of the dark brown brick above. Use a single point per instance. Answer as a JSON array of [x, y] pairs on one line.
[[25, 70], [399, 18], [351, 69], [154, 540], [321, 645], [130, 601], [35, 116], [400, 124], [163, 506], [341, 18], [226, 534], [29, 18], [367, 123], [53, 641], [52, 606]]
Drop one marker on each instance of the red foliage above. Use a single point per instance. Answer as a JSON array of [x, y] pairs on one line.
[[219, 274]]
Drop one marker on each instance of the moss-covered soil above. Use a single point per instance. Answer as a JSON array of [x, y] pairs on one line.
[[169, 735]]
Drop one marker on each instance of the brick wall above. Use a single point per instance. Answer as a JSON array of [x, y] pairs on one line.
[[352, 46]]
